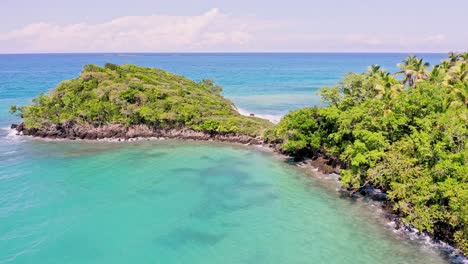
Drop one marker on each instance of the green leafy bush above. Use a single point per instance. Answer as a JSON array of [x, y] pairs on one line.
[[406, 137], [129, 94]]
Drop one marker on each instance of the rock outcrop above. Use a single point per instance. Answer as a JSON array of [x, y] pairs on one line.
[[71, 130]]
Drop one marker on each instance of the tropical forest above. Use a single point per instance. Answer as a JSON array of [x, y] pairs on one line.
[[404, 132]]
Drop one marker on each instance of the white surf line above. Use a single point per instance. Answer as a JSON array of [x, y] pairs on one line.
[[11, 133], [272, 118]]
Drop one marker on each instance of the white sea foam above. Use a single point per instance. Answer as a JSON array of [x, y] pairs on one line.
[[11, 134], [414, 234], [273, 118], [126, 140]]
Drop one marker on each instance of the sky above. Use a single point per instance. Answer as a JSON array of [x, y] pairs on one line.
[[49, 26]]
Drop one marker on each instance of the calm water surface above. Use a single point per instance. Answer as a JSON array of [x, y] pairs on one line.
[[183, 202]]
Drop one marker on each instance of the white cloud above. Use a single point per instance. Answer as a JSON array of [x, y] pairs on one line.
[[210, 30], [436, 38], [378, 40], [365, 42]]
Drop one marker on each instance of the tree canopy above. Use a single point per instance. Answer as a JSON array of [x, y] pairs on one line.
[[406, 136], [128, 94]]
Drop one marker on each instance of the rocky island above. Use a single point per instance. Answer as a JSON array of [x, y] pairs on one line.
[[128, 101]]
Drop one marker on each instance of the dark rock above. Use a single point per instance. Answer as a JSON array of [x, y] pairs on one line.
[[324, 165], [69, 133], [91, 135], [20, 127], [373, 193], [94, 131], [14, 126]]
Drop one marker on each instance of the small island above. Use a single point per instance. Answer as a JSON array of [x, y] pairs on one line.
[[129, 101]]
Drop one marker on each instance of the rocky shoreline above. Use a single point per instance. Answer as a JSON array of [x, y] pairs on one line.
[[319, 162], [378, 198], [72, 131]]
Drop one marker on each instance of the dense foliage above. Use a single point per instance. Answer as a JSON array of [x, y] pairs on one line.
[[128, 95], [407, 136]]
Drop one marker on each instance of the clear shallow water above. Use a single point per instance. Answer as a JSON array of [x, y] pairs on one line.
[[182, 202], [173, 202]]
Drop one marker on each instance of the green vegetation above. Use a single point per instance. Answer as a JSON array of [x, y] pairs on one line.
[[129, 95], [407, 137]]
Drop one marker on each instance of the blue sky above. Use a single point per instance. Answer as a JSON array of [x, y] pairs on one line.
[[191, 26]]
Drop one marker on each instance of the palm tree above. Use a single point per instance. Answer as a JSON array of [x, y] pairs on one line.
[[458, 96], [420, 70], [407, 69], [413, 69], [463, 56], [453, 57], [387, 87], [374, 69], [438, 74], [445, 65], [459, 72]]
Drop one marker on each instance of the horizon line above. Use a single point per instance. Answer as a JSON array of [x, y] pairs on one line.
[[228, 52]]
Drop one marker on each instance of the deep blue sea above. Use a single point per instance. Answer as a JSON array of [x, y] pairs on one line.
[[179, 201]]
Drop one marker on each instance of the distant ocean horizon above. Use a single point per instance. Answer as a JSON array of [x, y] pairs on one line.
[[219, 53], [268, 84]]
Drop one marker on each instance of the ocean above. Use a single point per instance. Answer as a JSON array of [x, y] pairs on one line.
[[172, 201]]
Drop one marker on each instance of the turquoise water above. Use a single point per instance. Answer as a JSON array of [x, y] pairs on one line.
[[182, 202], [173, 202]]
